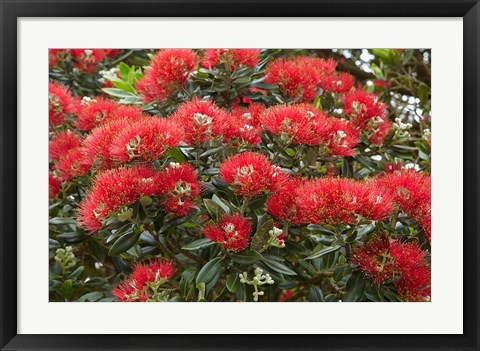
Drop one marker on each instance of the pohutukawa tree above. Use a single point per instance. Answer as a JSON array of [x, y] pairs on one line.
[[239, 175]]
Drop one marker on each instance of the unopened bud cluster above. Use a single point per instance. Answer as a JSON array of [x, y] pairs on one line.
[[65, 258], [258, 279]]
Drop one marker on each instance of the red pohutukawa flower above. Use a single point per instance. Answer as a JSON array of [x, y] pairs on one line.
[[112, 53], [403, 263], [234, 58], [94, 112], [143, 283], [55, 56], [179, 185], [300, 78], [60, 104], [114, 189], [145, 140], [167, 73], [202, 121], [62, 143], [252, 174], [72, 164], [283, 203], [247, 123], [338, 83], [295, 123], [232, 231], [411, 191], [53, 186], [340, 135], [368, 114], [87, 60], [303, 124], [97, 145], [342, 200]]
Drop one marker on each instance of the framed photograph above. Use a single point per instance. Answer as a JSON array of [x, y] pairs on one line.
[[288, 181]]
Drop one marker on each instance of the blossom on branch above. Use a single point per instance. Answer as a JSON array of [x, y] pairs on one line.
[[252, 174], [232, 231]]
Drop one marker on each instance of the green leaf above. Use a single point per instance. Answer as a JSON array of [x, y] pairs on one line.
[[209, 271], [124, 243], [315, 294], [176, 154], [62, 220], [278, 267], [383, 53], [220, 203], [407, 55], [118, 93], [67, 288], [122, 85], [185, 280], [265, 86], [405, 147], [319, 229], [91, 297], [346, 169], [262, 236], [354, 288], [257, 202], [214, 209], [322, 252], [198, 244], [124, 70], [146, 201], [211, 151], [290, 152], [246, 257], [95, 282], [76, 273], [125, 215], [233, 282], [72, 237], [366, 161]]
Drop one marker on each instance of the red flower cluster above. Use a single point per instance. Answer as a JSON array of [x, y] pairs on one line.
[[55, 56], [72, 164], [247, 124], [367, 114], [129, 135], [296, 123], [283, 204], [95, 112], [300, 78], [53, 186], [61, 143], [232, 231], [303, 124], [235, 58], [145, 140], [179, 185], [252, 174], [87, 60], [202, 121], [61, 103], [329, 200], [113, 189], [97, 144], [167, 73], [338, 83], [402, 263], [143, 283], [411, 191]]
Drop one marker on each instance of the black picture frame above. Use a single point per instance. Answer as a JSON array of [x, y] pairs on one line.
[[12, 10]]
